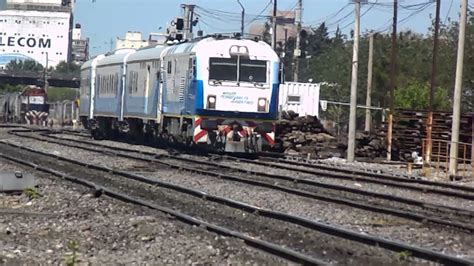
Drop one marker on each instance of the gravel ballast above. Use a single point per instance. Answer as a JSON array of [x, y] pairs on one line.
[[40, 230], [383, 225]]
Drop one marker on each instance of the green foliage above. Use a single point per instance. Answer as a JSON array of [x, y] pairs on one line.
[[7, 88], [61, 94], [67, 68], [328, 59], [403, 255], [26, 65], [416, 96], [72, 258], [32, 193]]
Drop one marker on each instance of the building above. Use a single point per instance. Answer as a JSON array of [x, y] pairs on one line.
[[36, 30], [286, 27], [80, 46], [133, 39]]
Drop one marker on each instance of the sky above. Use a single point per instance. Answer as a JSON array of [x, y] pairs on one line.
[[105, 20]]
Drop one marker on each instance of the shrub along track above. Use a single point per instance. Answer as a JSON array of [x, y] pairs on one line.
[[284, 217]]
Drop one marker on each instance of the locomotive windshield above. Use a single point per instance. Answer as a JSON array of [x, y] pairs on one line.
[[238, 69]]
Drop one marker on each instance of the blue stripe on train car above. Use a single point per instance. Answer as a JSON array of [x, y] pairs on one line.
[[106, 106]]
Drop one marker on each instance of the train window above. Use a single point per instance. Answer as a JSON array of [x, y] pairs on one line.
[[294, 99], [129, 82], [169, 67], [223, 69], [116, 83], [253, 70]]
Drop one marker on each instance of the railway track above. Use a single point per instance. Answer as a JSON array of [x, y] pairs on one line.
[[272, 215], [266, 246], [452, 190], [426, 212]]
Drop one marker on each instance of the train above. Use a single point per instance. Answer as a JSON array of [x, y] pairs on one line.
[[26, 107], [216, 93]]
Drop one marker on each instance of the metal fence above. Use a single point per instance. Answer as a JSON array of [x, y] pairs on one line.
[[65, 113], [440, 158]]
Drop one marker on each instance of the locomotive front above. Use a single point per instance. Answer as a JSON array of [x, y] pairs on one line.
[[237, 94]]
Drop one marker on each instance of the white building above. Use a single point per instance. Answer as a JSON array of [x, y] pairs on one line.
[[133, 39], [80, 46], [29, 33]]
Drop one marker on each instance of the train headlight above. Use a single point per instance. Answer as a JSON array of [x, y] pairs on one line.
[[262, 104], [211, 102]]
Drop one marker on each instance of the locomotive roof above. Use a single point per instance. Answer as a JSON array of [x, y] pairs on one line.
[[147, 53], [89, 62], [117, 58], [212, 46], [205, 47]]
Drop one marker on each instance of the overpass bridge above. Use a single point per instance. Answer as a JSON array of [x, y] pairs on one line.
[[20, 77]]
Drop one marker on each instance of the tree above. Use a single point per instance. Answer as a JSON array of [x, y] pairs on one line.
[[67, 68], [24, 65], [415, 97]]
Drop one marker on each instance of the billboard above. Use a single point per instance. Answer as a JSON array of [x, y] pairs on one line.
[[41, 36]]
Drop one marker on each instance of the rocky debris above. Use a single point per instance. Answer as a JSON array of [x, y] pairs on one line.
[[370, 145], [305, 135]]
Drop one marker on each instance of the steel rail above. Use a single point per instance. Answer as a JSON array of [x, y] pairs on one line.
[[356, 177], [274, 176], [266, 246], [392, 245], [278, 158], [333, 175], [368, 173]]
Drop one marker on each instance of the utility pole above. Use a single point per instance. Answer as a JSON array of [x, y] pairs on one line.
[[297, 52], [393, 80], [355, 66], [274, 25], [434, 64], [242, 20], [453, 153], [45, 74], [368, 101]]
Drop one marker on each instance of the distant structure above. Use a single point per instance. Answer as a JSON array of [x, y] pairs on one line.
[[80, 46], [286, 27], [37, 30], [133, 39]]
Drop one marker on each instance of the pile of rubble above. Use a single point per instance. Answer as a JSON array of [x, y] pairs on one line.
[[371, 145], [306, 135]]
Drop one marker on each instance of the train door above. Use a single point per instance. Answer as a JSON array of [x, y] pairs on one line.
[[121, 90], [190, 91], [159, 86], [147, 89]]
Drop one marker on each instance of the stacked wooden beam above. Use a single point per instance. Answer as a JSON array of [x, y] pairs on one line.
[[410, 130]]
